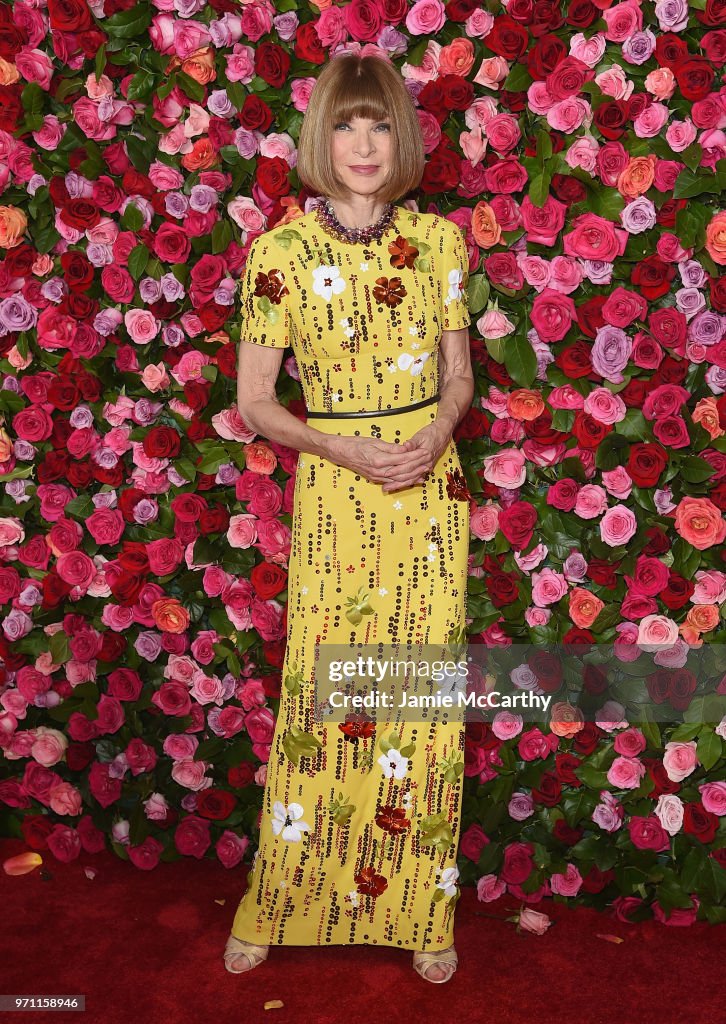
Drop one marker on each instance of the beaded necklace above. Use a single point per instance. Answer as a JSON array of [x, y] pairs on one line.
[[330, 223]]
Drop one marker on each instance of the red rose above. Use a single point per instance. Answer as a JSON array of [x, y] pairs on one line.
[[255, 114], [699, 822], [589, 431], [458, 93], [713, 45], [442, 170], [505, 176], [11, 107], [474, 839], [80, 214], [611, 118], [307, 44], [474, 424], [171, 244], [507, 39], [192, 836], [574, 361], [670, 50], [587, 739], [431, 99], [36, 828], [548, 669], [581, 13], [568, 190], [564, 834], [518, 524], [565, 765], [544, 57], [162, 443], [646, 462], [717, 288], [456, 10], [69, 15], [502, 588], [668, 326], [678, 592], [549, 790], [213, 520], [695, 78], [272, 63], [241, 775], [652, 277], [216, 804], [268, 580], [272, 176]]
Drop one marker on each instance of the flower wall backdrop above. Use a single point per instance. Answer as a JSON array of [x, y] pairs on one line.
[[145, 530]]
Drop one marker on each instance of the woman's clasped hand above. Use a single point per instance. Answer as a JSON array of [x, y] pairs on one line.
[[394, 466]]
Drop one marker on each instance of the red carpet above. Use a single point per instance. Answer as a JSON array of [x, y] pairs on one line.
[[148, 946]]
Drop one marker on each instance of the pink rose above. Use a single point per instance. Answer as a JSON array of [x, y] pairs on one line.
[[533, 921], [625, 773], [518, 863], [505, 468], [141, 325], [426, 17], [76, 568], [594, 238], [484, 521], [679, 760], [490, 888], [473, 842], [567, 884], [713, 797], [230, 848], [64, 843], [543, 224], [552, 314], [618, 526], [106, 525], [165, 555]]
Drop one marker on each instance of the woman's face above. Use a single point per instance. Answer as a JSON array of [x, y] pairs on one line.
[[361, 153]]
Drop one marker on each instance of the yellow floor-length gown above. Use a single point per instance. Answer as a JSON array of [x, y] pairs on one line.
[[358, 843]]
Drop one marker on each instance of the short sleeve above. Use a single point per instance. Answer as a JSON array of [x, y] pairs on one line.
[[264, 296], [455, 273]]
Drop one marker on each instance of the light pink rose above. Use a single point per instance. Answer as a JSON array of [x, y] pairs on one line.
[[242, 530], [484, 521], [190, 775], [656, 631], [49, 746], [505, 468], [426, 18], [680, 760], [65, 799], [506, 725], [548, 587], [534, 921], [669, 812]]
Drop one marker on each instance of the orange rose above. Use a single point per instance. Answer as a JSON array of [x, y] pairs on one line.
[[524, 404], [584, 607], [200, 65], [202, 157], [13, 224], [9, 74], [699, 522], [457, 58], [637, 177], [6, 445], [706, 413], [703, 617], [716, 238], [484, 226], [259, 458], [169, 615], [566, 720]]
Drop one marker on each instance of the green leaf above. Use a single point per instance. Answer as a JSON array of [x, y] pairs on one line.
[[129, 24], [138, 258], [690, 183], [132, 219], [478, 292], [539, 188], [518, 79], [100, 65], [709, 748], [520, 360], [193, 89]]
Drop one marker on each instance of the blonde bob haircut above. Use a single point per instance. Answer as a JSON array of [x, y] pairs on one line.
[[351, 86]]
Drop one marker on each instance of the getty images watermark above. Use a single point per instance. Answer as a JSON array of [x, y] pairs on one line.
[[578, 682]]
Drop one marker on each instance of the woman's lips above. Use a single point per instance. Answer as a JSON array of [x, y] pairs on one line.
[[364, 170]]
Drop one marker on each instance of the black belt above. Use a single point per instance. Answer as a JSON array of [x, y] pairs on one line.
[[375, 412]]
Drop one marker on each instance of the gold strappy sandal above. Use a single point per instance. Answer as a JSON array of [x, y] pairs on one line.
[[446, 959], [238, 947]]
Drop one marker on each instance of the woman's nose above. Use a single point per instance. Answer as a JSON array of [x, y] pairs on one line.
[[363, 144]]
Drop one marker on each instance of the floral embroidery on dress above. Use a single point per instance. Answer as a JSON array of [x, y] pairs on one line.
[[287, 821], [391, 291]]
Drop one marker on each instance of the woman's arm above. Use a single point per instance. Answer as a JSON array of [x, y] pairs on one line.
[[257, 372], [456, 378]]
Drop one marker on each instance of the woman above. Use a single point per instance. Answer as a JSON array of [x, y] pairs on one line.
[[359, 828]]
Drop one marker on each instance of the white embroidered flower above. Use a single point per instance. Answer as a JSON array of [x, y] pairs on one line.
[[413, 331], [353, 897], [393, 765], [286, 821], [364, 267], [414, 364], [455, 293], [448, 881], [382, 591], [328, 282], [397, 505]]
